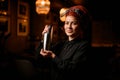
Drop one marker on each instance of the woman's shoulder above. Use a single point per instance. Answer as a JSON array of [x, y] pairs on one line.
[[83, 43]]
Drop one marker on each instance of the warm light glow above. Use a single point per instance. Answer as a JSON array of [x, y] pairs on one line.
[[3, 12], [62, 12], [43, 3], [42, 6]]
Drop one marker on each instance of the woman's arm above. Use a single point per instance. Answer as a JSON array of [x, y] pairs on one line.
[[78, 58]]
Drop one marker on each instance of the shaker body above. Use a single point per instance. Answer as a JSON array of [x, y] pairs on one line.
[[47, 38]]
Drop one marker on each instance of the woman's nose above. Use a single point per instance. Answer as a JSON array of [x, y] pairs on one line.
[[69, 25]]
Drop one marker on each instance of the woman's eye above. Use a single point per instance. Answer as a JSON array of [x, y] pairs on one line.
[[74, 23], [66, 22]]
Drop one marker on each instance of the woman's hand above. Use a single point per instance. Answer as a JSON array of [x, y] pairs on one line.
[[47, 53], [45, 29]]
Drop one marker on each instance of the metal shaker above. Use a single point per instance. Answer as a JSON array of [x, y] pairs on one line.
[[47, 38]]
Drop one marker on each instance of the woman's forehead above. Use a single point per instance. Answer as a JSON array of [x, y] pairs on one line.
[[71, 18]]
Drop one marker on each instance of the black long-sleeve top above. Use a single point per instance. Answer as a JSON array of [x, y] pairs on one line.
[[71, 61]]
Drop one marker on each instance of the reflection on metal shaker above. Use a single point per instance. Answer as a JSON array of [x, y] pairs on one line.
[[47, 38]]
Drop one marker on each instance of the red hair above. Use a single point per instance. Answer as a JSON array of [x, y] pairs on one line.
[[77, 11]]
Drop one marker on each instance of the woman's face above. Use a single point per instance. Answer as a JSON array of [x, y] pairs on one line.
[[71, 26]]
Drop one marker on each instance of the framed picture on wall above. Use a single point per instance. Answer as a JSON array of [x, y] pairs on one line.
[[4, 24], [23, 9], [4, 7], [22, 27]]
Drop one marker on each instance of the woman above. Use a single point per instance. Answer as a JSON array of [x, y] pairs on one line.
[[69, 59]]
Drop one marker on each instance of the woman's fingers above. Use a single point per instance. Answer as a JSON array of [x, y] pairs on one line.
[[45, 29], [45, 52]]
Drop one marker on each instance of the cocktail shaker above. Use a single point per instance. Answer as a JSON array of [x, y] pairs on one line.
[[47, 38]]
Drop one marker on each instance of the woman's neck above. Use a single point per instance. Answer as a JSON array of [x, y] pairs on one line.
[[72, 38]]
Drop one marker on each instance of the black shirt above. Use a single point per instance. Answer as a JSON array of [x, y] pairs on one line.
[[71, 60]]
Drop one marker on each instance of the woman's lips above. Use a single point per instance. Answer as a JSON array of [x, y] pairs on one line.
[[69, 31]]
